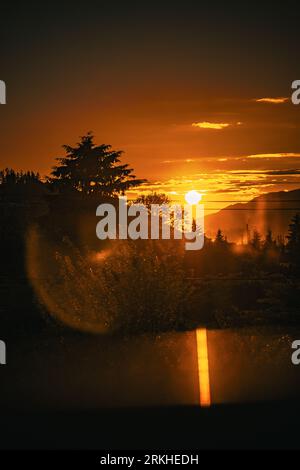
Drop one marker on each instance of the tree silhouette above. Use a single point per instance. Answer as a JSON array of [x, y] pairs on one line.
[[256, 240], [293, 245], [92, 169], [18, 185], [8, 176], [219, 237], [154, 198], [269, 242]]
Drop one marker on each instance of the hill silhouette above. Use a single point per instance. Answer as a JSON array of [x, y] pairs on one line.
[[271, 211]]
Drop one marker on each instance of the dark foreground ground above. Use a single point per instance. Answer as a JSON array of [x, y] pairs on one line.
[[263, 426], [65, 390]]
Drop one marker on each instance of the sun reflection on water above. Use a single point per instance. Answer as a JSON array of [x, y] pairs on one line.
[[203, 367]]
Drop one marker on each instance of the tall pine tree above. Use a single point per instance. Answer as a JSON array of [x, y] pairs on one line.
[[93, 169]]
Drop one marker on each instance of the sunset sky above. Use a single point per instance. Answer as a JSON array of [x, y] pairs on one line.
[[198, 96]]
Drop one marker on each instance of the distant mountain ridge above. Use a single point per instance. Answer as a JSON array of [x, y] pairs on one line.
[[271, 211]]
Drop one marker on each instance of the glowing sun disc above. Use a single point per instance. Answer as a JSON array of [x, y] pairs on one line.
[[193, 197]]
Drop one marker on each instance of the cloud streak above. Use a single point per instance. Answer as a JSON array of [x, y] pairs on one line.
[[211, 125], [278, 100], [274, 155]]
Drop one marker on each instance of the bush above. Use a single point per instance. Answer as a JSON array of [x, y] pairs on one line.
[[131, 286]]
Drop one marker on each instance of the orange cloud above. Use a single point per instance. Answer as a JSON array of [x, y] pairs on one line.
[[272, 100], [274, 155], [211, 125]]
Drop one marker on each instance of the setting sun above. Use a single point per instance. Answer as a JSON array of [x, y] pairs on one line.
[[193, 197]]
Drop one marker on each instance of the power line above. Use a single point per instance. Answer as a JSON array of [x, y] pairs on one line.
[[237, 201], [253, 209]]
